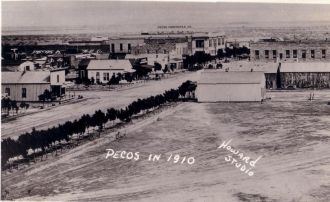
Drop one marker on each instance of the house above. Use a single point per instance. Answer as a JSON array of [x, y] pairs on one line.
[[28, 85], [220, 86], [26, 66], [101, 70]]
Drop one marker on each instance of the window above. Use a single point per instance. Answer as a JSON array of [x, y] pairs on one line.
[[164, 51], [58, 78], [210, 43], [112, 47], [214, 42], [323, 53], [97, 77], [7, 91], [23, 92], [223, 41], [199, 43], [295, 53], [106, 76], [287, 53], [129, 47], [312, 53], [256, 52], [266, 54], [147, 51], [219, 41], [303, 53], [274, 54], [121, 47], [27, 68]]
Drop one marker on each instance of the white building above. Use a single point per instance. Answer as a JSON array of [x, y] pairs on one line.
[[220, 86], [26, 66], [28, 85], [102, 70]]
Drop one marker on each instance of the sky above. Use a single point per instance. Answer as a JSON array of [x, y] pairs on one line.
[[101, 13]]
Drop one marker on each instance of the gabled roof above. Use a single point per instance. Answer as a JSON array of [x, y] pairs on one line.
[[122, 65], [221, 77], [28, 77]]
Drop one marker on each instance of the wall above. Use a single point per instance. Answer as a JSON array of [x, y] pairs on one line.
[[281, 48], [92, 73], [53, 77], [300, 80], [211, 45], [124, 42], [32, 91]]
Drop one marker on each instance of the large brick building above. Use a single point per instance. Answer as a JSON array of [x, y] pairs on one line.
[[289, 51]]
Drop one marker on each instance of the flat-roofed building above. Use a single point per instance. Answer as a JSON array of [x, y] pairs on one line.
[[221, 86], [289, 51], [300, 75]]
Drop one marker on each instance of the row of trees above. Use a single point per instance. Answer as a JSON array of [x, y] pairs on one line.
[[8, 105], [48, 139]]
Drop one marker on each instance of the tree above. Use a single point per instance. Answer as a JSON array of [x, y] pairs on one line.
[[14, 105], [157, 66], [278, 77], [111, 114], [99, 118], [220, 54]]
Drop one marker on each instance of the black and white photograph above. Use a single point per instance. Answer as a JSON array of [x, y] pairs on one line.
[[165, 101]]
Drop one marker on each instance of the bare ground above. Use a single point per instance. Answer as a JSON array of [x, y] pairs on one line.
[[293, 137]]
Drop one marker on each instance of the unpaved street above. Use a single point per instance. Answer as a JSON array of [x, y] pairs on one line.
[[96, 100]]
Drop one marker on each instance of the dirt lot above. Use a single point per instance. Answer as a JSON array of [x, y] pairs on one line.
[[292, 137]]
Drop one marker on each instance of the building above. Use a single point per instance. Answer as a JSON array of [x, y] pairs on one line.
[[26, 66], [100, 71], [290, 51], [151, 59], [124, 44], [28, 85], [188, 43], [299, 75], [208, 43], [220, 86]]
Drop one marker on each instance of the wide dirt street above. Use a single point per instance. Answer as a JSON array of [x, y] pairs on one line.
[[96, 100], [292, 137]]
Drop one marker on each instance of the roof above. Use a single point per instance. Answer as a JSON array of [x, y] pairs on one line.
[[221, 77], [271, 67], [123, 65], [305, 67], [28, 77]]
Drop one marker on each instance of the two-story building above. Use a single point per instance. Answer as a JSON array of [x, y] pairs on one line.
[[290, 51]]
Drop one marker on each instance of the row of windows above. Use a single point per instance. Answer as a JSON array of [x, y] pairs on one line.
[[121, 47], [106, 76], [288, 54], [7, 91], [220, 41]]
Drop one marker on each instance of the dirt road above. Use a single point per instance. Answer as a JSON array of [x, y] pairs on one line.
[[292, 137], [96, 100]]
